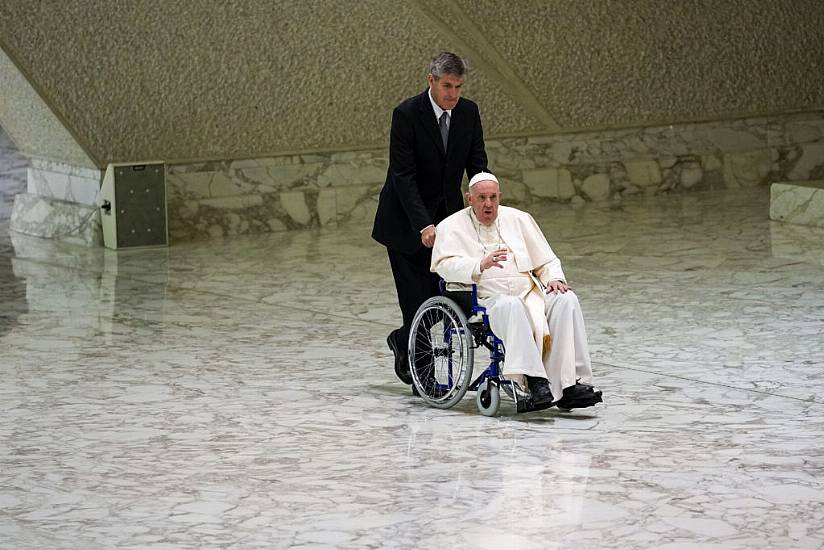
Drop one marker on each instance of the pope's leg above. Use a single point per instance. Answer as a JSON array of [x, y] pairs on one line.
[[569, 356], [509, 320], [583, 363]]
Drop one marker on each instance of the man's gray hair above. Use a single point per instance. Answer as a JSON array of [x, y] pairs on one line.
[[448, 63]]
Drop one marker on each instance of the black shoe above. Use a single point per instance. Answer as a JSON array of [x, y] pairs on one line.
[[539, 388], [579, 396], [401, 358]]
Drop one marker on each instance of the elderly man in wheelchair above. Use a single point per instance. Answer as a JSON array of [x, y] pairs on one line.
[[504, 291]]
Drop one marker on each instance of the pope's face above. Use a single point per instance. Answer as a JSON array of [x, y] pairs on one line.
[[484, 197], [446, 90]]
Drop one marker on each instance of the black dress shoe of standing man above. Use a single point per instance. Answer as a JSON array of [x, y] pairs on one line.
[[401, 357]]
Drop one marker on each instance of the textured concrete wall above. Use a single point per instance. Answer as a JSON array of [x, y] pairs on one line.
[[599, 63], [28, 119], [194, 79], [198, 79]]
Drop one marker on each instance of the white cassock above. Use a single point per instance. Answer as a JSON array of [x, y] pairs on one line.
[[520, 313]]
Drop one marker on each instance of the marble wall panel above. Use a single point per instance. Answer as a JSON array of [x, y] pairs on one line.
[[243, 178], [298, 191], [276, 194], [246, 214], [356, 204], [340, 188], [54, 219], [13, 165], [553, 183], [643, 173], [810, 163], [799, 203], [371, 171], [60, 203], [748, 169], [805, 131], [740, 153], [63, 181]]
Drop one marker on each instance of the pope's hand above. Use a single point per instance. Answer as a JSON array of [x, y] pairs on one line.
[[556, 286], [494, 259]]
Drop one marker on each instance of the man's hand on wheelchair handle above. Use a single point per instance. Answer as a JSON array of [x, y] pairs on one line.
[[428, 236], [493, 259]]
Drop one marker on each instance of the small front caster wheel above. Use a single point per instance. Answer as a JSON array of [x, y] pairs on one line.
[[488, 398]]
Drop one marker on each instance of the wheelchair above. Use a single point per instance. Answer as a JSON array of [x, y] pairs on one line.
[[444, 335]]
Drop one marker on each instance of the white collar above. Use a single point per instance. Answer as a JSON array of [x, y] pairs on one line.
[[486, 229], [436, 107]]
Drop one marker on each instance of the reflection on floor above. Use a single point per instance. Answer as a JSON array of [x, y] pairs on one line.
[[239, 393]]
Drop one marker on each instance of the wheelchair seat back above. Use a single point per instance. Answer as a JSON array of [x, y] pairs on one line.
[[463, 298]]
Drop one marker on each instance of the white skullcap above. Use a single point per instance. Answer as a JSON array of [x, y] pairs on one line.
[[482, 176]]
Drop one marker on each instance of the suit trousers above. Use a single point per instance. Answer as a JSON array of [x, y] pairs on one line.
[[568, 359], [414, 283]]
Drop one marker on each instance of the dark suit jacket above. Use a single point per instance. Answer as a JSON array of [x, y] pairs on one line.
[[423, 183]]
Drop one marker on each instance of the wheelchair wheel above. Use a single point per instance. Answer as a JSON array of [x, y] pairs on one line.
[[440, 352], [488, 398]]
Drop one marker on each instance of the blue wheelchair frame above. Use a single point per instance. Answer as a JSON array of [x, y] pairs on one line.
[[488, 383], [465, 328], [487, 339]]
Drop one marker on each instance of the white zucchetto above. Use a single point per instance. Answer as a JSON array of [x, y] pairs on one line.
[[482, 176]]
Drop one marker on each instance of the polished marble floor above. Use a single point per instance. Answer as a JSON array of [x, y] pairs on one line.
[[238, 393]]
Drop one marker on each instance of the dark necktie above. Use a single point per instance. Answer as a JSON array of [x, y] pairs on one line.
[[444, 128]]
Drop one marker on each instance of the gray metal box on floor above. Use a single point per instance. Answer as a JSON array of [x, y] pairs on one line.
[[133, 205]]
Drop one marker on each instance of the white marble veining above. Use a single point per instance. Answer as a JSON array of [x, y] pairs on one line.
[[798, 202], [49, 218], [13, 166], [46, 198], [63, 182], [238, 393], [214, 199]]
